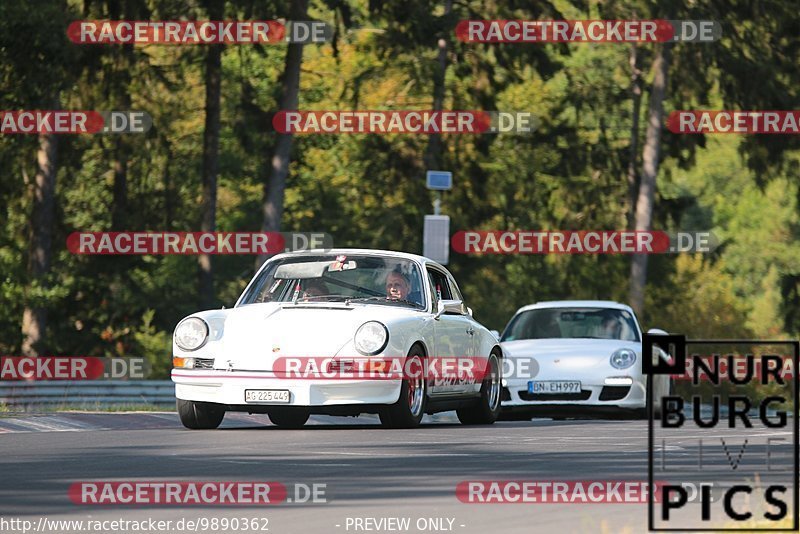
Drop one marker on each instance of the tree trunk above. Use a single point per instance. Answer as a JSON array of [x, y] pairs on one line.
[[636, 103], [650, 162], [211, 156], [34, 317], [169, 192], [120, 88], [433, 154], [279, 170]]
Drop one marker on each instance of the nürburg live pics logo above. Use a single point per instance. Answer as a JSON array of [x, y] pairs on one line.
[[723, 440]]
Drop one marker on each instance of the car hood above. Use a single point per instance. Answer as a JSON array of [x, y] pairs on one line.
[[567, 347], [256, 335]]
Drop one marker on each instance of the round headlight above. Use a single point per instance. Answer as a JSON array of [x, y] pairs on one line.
[[623, 358], [191, 333], [371, 338]]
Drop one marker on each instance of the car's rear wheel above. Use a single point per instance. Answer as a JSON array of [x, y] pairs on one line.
[[487, 409], [289, 417], [407, 412], [200, 415]]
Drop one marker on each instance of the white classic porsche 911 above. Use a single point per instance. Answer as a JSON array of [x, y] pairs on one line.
[[342, 332], [574, 357]]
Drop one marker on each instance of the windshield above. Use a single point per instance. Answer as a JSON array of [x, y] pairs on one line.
[[571, 323], [339, 278]]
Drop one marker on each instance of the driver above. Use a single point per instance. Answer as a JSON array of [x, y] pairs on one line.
[[397, 286], [314, 288], [610, 327]]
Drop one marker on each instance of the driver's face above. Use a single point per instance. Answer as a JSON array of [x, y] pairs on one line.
[[396, 287], [611, 328]]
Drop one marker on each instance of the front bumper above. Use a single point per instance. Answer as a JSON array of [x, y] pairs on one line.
[[595, 394], [228, 388]]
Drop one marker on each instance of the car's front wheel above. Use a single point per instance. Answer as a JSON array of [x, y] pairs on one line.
[[487, 410], [289, 417], [200, 415], [407, 412]]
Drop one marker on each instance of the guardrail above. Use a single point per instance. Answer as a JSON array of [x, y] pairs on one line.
[[87, 393]]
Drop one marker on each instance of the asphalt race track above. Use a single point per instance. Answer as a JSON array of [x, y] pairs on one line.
[[368, 472]]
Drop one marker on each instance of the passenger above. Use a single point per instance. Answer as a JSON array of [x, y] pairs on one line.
[[550, 329]]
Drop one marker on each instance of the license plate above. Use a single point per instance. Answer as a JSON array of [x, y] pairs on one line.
[[266, 395], [554, 386]]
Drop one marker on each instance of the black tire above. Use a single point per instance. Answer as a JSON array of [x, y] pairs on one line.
[[289, 417], [487, 409], [407, 412], [200, 415]]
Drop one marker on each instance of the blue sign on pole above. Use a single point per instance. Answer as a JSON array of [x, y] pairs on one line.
[[439, 180]]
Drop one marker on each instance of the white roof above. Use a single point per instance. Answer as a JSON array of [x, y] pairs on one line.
[[364, 251], [577, 304]]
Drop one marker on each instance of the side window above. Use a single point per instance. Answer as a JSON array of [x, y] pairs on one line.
[[454, 289], [440, 285], [434, 296]]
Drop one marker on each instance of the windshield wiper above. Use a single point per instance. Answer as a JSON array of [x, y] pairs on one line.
[[385, 300]]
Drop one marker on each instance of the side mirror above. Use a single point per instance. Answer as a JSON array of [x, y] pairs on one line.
[[450, 306], [469, 311], [495, 333]]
